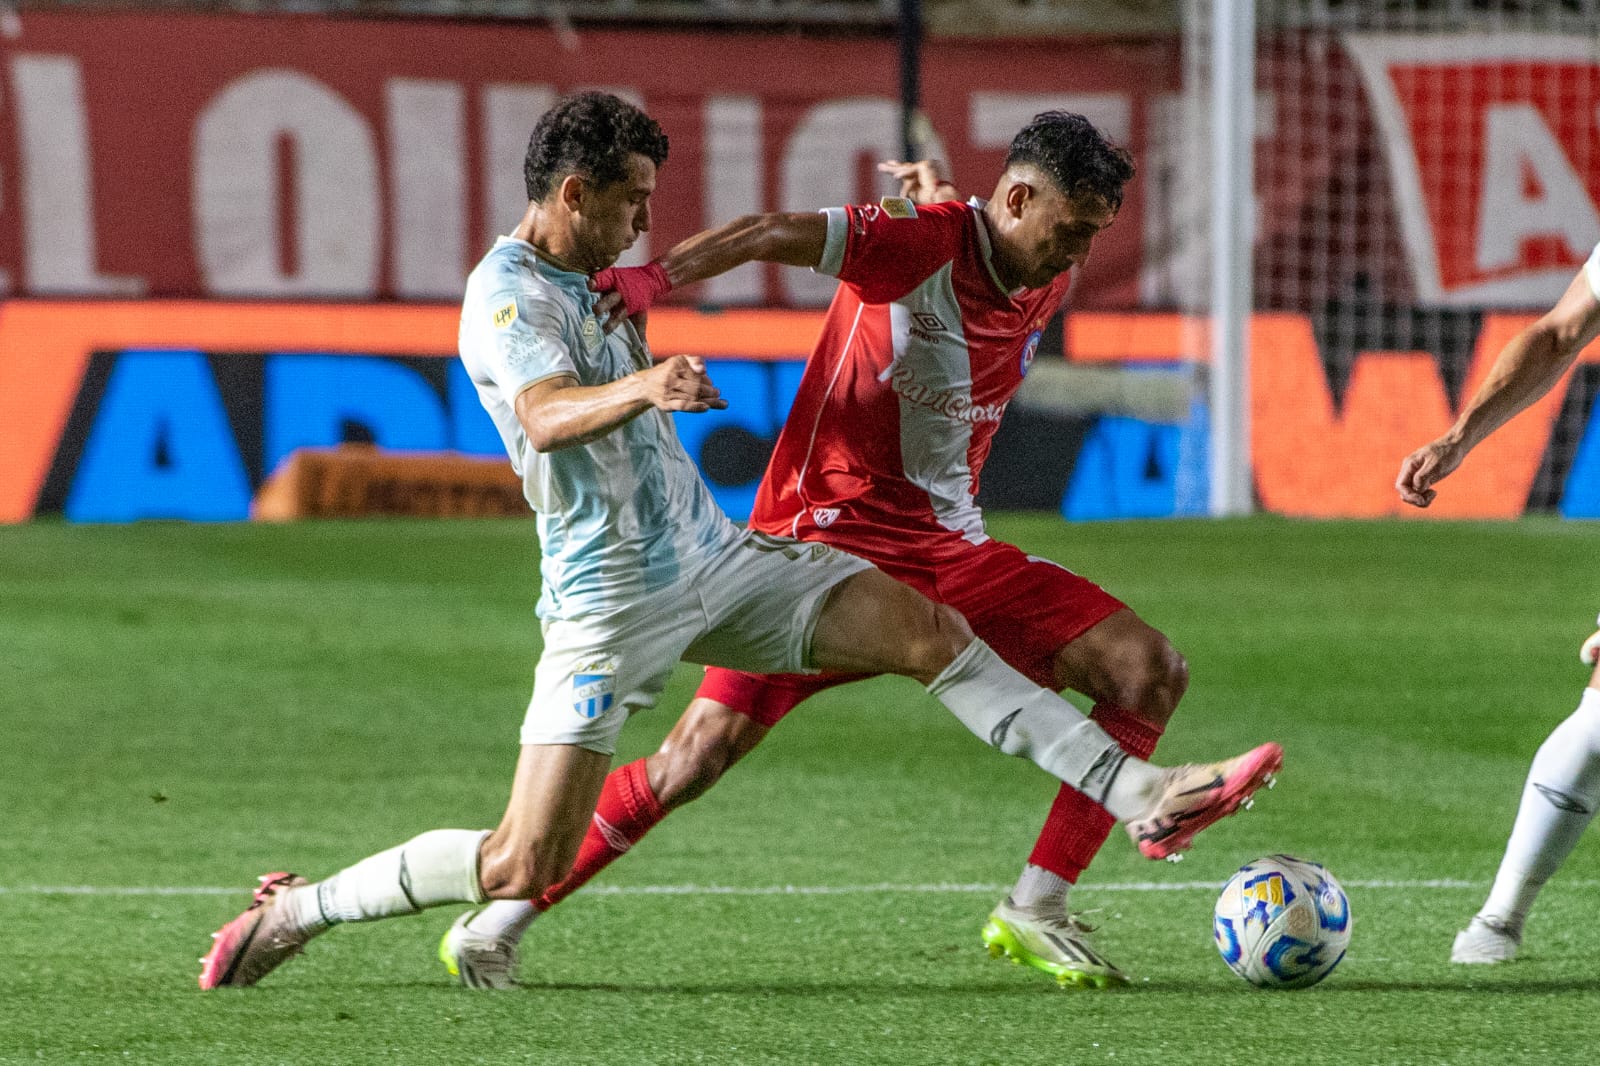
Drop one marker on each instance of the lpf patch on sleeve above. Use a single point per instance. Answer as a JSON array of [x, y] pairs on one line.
[[898, 207], [505, 315]]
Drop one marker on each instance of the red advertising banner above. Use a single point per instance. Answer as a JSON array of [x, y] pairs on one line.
[[305, 157], [1493, 149], [285, 157]]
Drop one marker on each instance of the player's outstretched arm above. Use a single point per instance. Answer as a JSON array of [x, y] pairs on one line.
[[795, 239], [559, 413], [792, 239], [1526, 369]]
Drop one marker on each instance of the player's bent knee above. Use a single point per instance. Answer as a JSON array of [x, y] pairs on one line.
[[1157, 682], [691, 766], [708, 739], [1177, 672], [932, 646], [1147, 677]]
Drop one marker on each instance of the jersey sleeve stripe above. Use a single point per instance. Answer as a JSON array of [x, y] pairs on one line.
[[833, 246]]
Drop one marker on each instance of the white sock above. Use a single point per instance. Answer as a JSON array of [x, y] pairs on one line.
[[506, 919], [439, 866], [1559, 799], [1009, 712], [1039, 889]]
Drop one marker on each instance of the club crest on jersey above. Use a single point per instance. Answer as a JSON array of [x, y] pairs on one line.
[[898, 207], [1030, 349], [504, 316], [594, 688], [824, 516]]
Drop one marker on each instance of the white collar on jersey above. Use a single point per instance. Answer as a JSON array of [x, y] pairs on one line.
[[977, 204]]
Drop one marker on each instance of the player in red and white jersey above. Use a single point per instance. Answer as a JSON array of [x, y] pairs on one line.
[[939, 312], [922, 349]]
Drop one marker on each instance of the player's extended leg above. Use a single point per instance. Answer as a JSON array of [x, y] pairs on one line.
[[480, 948], [873, 624], [731, 713], [1136, 679], [1559, 799], [551, 798]]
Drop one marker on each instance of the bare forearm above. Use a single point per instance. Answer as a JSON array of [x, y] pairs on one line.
[[791, 239], [566, 415], [1526, 369], [1530, 365]]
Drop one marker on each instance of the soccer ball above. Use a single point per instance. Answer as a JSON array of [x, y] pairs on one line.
[[1282, 922]]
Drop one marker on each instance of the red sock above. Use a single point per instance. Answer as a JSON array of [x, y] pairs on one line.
[[1077, 826], [628, 809]]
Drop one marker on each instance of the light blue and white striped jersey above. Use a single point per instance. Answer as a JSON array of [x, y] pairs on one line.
[[620, 516]]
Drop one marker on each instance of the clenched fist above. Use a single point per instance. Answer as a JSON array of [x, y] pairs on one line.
[[682, 384]]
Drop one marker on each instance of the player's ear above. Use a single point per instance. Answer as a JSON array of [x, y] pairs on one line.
[[1017, 196], [571, 192]]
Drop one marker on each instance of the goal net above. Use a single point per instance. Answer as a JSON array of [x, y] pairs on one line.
[[1426, 174]]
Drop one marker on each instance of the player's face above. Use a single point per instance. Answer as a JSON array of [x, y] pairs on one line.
[[612, 216], [1056, 233]]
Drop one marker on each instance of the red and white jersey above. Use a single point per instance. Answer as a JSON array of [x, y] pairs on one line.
[[921, 351]]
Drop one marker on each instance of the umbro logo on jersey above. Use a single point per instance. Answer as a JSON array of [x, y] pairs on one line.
[[824, 516], [927, 321]]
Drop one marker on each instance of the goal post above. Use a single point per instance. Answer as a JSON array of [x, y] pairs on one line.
[[1232, 99]]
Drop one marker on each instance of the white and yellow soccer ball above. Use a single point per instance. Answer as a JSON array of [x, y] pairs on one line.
[[1282, 922]]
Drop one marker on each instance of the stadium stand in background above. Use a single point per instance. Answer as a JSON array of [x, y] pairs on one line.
[[954, 16]]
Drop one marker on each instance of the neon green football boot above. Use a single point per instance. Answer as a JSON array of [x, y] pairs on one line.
[[1057, 944], [476, 960]]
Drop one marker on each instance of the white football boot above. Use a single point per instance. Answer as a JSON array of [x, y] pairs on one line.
[[479, 960], [1486, 940], [1057, 943]]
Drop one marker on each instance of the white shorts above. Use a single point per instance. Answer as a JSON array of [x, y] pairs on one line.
[[753, 607]]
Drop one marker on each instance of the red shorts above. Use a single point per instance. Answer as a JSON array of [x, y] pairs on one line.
[[1026, 609]]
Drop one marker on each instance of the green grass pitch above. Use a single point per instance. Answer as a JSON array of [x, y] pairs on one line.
[[183, 708]]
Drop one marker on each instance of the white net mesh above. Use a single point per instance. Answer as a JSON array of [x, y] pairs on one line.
[[1421, 167]]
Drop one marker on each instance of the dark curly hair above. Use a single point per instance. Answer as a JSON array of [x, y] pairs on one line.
[[591, 134], [1075, 155]]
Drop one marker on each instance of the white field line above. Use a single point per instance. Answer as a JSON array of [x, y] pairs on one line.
[[882, 889]]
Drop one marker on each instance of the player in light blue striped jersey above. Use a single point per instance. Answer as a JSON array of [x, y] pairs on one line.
[[641, 569]]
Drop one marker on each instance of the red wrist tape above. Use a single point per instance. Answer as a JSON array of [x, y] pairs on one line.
[[639, 286]]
